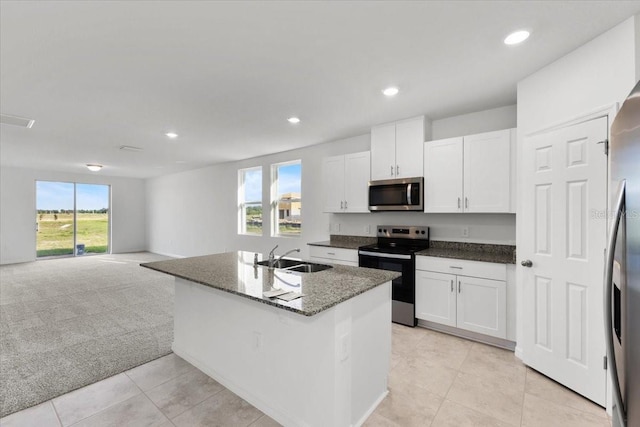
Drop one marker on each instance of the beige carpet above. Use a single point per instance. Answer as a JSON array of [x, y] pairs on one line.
[[69, 322]]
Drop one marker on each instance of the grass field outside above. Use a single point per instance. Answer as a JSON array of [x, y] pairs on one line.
[[55, 233]]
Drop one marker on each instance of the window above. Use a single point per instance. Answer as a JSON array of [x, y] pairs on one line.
[[286, 205], [250, 201]]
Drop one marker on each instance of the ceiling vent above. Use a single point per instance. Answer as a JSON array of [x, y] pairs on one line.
[[130, 148], [16, 121]]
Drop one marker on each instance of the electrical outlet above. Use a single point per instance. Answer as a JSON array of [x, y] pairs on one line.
[[367, 229], [336, 227], [465, 231]]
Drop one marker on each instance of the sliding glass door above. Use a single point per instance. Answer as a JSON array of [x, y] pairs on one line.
[[72, 218]]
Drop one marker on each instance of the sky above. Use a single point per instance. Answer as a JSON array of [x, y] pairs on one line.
[[289, 177], [59, 195]]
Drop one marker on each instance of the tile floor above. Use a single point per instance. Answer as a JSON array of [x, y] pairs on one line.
[[435, 380]]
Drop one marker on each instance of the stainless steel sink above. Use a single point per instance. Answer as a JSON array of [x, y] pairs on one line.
[[296, 266], [309, 267], [283, 263]]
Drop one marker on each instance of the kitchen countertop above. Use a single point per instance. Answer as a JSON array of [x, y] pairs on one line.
[[234, 272], [345, 242], [500, 254]]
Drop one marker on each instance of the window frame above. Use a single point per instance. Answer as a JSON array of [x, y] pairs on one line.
[[275, 201], [242, 203]]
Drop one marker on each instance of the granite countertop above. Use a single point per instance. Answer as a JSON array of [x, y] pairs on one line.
[[234, 272], [345, 242], [501, 254]]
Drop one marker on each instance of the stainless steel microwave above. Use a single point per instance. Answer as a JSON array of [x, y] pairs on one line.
[[403, 194]]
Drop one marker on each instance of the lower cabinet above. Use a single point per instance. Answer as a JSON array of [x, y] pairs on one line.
[[325, 254], [451, 297]]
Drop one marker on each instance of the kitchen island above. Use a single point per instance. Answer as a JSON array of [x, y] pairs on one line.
[[319, 360]]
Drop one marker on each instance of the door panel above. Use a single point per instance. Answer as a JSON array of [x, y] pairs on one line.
[[333, 184], [564, 177], [436, 297], [443, 175], [487, 172], [409, 146], [482, 306], [357, 168], [383, 151]]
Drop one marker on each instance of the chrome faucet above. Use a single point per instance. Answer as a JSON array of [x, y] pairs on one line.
[[272, 256], [273, 261]]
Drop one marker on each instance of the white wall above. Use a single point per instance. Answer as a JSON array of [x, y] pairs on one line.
[[194, 212], [595, 75], [478, 122], [18, 210]]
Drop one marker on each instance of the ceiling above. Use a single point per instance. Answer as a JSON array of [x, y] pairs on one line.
[[225, 76]]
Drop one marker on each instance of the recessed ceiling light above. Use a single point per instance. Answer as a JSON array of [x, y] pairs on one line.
[[390, 91], [516, 37], [93, 167], [293, 120], [171, 135]]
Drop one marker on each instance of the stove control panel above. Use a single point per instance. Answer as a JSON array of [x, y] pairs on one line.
[[403, 232]]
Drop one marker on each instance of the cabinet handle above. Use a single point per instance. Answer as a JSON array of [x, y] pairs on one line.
[[391, 170], [451, 285], [345, 204], [466, 202], [457, 268], [331, 253], [341, 204], [459, 286], [397, 170], [459, 203]]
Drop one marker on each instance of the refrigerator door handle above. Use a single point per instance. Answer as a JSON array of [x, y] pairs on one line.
[[608, 284]]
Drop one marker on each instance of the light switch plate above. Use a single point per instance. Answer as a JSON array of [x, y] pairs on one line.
[[465, 231]]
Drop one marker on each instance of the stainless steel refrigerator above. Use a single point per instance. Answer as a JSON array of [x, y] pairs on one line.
[[622, 281]]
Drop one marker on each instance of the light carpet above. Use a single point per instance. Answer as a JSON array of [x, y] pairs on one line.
[[69, 322]]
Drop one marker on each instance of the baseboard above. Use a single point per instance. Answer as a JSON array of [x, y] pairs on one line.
[[373, 407], [167, 254], [485, 339], [247, 395], [519, 352]]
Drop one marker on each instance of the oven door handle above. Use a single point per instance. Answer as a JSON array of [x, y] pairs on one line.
[[383, 255]]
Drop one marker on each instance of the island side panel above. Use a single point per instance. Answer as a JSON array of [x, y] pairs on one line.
[[371, 354], [299, 370]]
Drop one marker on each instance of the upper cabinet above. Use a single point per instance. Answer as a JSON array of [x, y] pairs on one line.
[[474, 173], [397, 149], [346, 183]]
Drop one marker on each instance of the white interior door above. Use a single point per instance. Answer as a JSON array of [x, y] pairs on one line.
[[564, 198]]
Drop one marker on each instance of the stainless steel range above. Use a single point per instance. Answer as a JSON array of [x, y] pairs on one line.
[[395, 251]]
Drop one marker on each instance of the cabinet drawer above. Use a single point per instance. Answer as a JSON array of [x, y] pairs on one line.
[[336, 254], [462, 267]]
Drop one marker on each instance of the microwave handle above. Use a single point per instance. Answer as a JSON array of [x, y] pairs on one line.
[[608, 287], [409, 194]]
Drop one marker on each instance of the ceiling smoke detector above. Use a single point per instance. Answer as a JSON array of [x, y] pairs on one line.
[[16, 121]]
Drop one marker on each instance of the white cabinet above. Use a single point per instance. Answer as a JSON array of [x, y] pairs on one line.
[[345, 182], [450, 292], [325, 254], [397, 149], [470, 174]]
